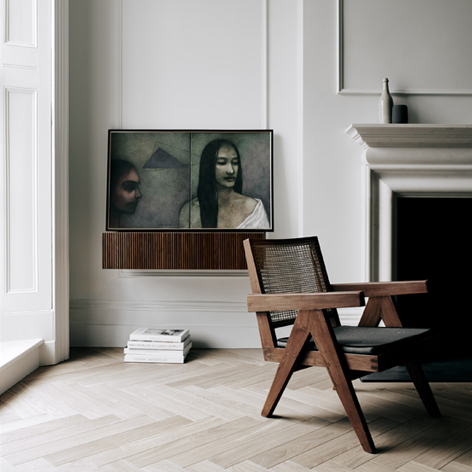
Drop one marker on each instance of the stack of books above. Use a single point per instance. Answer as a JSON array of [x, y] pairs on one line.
[[169, 346]]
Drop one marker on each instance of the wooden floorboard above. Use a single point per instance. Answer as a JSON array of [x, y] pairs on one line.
[[96, 413]]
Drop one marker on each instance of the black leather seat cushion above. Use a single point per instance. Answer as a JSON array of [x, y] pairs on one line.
[[366, 340]]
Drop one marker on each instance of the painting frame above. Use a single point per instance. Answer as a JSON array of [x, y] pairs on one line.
[[162, 180]]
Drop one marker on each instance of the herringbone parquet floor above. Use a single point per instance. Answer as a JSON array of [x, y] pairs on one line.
[[94, 412]]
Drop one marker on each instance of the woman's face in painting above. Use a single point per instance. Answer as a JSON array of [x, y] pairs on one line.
[[226, 167], [126, 193]]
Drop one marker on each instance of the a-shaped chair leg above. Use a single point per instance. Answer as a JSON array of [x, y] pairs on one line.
[[423, 388], [335, 364], [296, 341], [351, 405]]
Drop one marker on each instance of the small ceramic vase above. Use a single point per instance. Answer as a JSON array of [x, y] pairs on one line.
[[385, 104]]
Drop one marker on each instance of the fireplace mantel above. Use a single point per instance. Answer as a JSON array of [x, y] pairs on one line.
[[412, 160], [412, 136]]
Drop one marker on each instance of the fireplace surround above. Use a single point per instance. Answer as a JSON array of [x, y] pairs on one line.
[[409, 162], [406, 160]]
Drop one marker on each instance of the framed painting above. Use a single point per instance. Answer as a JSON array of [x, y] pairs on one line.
[[161, 180]]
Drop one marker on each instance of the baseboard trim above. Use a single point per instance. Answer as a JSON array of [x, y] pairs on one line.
[[108, 323], [17, 360]]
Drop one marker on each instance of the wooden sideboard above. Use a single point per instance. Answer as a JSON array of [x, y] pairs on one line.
[[175, 251]]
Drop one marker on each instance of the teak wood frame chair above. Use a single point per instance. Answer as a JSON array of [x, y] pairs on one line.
[[290, 286]]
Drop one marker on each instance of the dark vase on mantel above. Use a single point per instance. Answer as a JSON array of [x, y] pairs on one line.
[[400, 114]]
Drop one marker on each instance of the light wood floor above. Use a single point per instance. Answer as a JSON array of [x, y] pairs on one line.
[[94, 412]]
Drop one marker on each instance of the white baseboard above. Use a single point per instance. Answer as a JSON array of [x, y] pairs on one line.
[[212, 324], [108, 323], [17, 360]]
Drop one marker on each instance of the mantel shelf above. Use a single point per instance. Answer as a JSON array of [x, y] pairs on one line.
[[411, 135]]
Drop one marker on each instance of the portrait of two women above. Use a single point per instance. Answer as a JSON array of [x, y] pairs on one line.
[[199, 180]]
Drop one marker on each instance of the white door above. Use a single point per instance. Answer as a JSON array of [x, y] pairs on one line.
[[27, 212]]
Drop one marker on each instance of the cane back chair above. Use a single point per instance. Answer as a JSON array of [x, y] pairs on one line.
[[290, 286]]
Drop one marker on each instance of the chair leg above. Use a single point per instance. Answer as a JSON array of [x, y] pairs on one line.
[[351, 405], [335, 364], [296, 341], [281, 379], [423, 388]]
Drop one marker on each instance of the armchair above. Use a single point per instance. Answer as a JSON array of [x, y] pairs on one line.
[[290, 286]]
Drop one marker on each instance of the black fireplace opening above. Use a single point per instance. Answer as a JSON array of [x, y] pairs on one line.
[[434, 241]]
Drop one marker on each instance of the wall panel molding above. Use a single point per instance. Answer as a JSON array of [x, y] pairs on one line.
[[21, 189], [265, 66], [16, 11], [21, 66], [27, 324], [345, 89], [340, 48], [122, 66]]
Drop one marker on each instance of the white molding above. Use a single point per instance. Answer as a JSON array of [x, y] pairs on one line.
[[365, 231], [119, 44], [108, 322], [155, 306], [34, 203], [227, 325], [340, 38], [29, 324], [34, 26], [265, 66], [21, 66], [300, 113], [49, 318], [203, 336], [412, 161], [59, 350], [457, 92], [17, 360], [437, 136], [340, 72]]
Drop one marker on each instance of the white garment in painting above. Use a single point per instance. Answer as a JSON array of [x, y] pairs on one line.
[[257, 219]]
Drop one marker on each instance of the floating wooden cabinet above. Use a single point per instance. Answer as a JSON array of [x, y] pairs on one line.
[[195, 251]]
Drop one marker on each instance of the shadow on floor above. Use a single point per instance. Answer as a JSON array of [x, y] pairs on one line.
[[448, 370]]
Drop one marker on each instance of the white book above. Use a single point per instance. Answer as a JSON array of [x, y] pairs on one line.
[[156, 352], [156, 359], [160, 345], [153, 334]]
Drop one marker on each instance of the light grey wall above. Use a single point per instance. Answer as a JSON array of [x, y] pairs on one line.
[[227, 64], [333, 168]]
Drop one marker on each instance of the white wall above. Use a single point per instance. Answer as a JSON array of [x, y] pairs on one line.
[[333, 167], [196, 64]]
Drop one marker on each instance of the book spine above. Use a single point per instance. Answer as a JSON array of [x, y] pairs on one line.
[[157, 359], [146, 337], [155, 345], [154, 352]]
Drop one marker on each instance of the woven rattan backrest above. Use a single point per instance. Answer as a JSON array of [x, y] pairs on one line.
[[289, 266]]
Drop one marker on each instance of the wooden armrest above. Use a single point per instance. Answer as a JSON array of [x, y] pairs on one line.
[[382, 289], [304, 301]]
